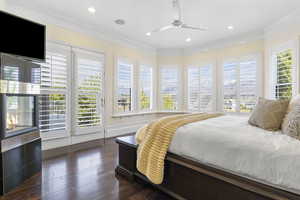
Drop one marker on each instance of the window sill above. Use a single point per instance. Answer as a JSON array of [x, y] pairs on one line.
[[147, 113]]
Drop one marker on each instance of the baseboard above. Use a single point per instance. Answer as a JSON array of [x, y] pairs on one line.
[[115, 131]]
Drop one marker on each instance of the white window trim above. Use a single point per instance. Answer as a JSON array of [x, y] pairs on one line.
[[294, 46], [64, 49], [180, 87], [259, 80]]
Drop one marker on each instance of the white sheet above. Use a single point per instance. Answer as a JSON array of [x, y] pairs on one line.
[[230, 143]]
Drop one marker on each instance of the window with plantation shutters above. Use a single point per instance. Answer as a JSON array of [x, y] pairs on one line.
[[230, 87], [200, 88], [169, 88], [240, 85], [248, 85], [145, 97], [284, 70], [89, 89], [54, 91], [124, 87]]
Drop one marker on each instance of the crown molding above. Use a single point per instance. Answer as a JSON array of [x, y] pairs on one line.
[[104, 34], [227, 42]]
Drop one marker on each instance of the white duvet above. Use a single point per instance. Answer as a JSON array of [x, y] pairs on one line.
[[230, 143]]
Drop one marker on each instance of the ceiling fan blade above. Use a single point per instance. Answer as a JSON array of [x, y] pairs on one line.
[[194, 28], [163, 28], [177, 10]]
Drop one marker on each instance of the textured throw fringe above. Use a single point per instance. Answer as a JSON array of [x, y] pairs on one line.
[[154, 140]]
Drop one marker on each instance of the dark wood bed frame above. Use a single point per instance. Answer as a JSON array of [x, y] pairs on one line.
[[187, 179]]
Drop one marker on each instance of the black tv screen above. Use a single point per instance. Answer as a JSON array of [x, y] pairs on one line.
[[21, 37]]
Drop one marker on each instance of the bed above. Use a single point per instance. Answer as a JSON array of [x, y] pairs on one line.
[[224, 158]]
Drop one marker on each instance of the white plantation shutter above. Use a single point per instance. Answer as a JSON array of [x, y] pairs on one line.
[[193, 88], [206, 88], [89, 75], [146, 77], [230, 87], [124, 87], [284, 74], [200, 88], [240, 85], [169, 88], [248, 85], [54, 91]]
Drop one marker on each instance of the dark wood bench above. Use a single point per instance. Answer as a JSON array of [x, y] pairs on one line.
[[186, 179]]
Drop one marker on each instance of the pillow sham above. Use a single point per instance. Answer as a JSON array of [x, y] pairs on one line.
[[291, 122], [269, 114]]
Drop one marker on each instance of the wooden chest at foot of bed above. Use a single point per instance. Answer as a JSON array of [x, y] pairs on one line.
[[187, 179]]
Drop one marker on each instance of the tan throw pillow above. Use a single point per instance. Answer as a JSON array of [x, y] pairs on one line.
[[291, 122], [269, 114]]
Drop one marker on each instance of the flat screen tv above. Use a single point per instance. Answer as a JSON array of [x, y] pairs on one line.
[[22, 37]]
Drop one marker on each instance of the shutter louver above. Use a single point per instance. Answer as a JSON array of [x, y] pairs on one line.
[[53, 101], [230, 87], [200, 88], [193, 88], [124, 93], [248, 85], [284, 83], [145, 88], [206, 89], [169, 88], [89, 88]]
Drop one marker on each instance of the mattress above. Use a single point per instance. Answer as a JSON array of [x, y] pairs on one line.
[[231, 144]]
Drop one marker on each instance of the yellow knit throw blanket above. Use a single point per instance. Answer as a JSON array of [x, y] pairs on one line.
[[154, 140]]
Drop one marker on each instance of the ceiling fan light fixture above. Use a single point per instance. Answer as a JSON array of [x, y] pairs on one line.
[[92, 10], [230, 27], [188, 39], [148, 34]]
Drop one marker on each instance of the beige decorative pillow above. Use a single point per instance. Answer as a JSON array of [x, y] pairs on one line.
[[291, 122], [269, 114]]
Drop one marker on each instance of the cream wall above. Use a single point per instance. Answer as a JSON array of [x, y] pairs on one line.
[[216, 56], [2, 4]]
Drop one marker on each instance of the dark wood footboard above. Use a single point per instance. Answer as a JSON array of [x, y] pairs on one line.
[[186, 179]]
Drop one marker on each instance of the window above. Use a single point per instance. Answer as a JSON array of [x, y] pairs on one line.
[[89, 90], [240, 85], [200, 88], [169, 88], [283, 63], [145, 94], [54, 91], [124, 87]]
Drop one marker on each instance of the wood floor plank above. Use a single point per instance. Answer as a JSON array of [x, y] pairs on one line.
[[83, 175]]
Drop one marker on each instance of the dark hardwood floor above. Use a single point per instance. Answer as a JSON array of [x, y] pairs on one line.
[[83, 175]]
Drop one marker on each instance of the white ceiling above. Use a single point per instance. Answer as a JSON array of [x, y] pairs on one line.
[[142, 16]]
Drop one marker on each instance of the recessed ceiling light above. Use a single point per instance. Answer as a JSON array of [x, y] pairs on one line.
[[92, 10], [148, 34], [230, 27], [188, 39], [120, 21]]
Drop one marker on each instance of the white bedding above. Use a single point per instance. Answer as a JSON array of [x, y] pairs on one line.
[[231, 144]]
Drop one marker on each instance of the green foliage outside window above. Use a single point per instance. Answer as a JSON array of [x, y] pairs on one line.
[[284, 75], [168, 102], [145, 101]]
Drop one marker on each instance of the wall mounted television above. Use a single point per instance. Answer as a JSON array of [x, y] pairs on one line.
[[22, 37]]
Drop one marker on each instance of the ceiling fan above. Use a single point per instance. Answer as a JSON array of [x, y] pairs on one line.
[[177, 23]]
